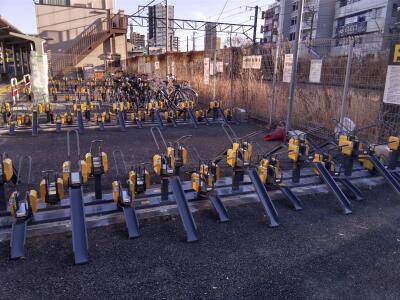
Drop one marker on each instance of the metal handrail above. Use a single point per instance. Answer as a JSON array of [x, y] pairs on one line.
[[88, 37]]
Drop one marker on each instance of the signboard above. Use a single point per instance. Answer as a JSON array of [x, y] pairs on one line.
[[206, 78], [287, 68], [39, 76], [147, 68], [256, 62], [392, 86], [171, 68], [315, 70], [220, 67], [156, 65], [351, 29], [252, 62], [88, 71], [19, 108], [211, 68]]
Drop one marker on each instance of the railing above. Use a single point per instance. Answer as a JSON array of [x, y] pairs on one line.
[[351, 29], [88, 38], [119, 21], [347, 2]]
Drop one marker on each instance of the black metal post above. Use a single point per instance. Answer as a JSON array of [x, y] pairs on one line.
[[164, 188], [97, 187]]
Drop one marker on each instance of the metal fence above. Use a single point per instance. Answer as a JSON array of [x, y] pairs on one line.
[[238, 81]]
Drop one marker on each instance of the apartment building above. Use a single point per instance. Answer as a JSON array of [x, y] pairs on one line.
[[316, 22], [137, 39], [271, 23], [157, 37], [368, 22], [210, 38]]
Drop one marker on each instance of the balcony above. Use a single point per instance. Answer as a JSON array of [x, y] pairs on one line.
[[346, 2], [351, 29], [268, 14]]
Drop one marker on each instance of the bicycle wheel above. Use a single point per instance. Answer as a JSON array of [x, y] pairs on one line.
[[190, 95]]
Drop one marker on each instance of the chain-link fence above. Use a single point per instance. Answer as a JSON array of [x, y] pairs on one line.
[[244, 77]]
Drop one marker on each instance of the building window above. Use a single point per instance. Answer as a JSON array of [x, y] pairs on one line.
[[395, 10], [340, 22], [55, 2], [346, 2], [361, 19], [295, 5], [292, 36], [293, 21]]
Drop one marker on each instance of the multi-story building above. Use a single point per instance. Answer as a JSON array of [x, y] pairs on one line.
[[271, 23], [317, 20], [210, 38], [81, 32], [133, 50], [367, 21], [157, 37], [137, 40]]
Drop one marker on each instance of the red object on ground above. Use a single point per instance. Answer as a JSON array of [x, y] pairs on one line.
[[277, 135]]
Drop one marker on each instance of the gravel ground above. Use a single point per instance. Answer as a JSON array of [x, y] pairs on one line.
[[316, 253]]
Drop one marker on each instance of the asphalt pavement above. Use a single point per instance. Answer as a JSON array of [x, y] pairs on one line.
[[317, 253]]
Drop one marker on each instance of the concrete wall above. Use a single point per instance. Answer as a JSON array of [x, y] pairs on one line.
[[104, 4], [95, 57], [120, 46], [64, 24], [358, 6]]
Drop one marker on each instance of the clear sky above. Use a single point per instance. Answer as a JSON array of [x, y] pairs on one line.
[[21, 13]]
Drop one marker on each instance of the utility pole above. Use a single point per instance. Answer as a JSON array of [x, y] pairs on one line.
[[230, 69], [166, 38], [343, 108], [255, 25], [214, 73], [294, 67], [187, 43], [194, 39], [277, 54], [148, 46]]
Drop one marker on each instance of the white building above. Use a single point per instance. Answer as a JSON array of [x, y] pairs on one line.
[[367, 21], [317, 20]]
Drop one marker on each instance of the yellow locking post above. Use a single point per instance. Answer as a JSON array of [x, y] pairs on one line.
[[6, 175], [298, 153], [97, 165], [350, 148], [23, 205], [51, 188], [394, 151]]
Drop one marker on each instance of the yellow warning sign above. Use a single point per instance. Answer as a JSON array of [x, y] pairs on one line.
[[394, 58]]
